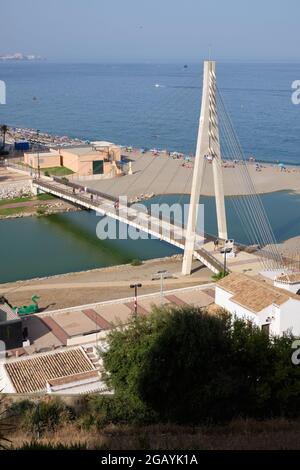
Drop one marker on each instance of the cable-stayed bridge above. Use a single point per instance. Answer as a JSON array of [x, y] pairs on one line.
[[216, 142], [153, 225]]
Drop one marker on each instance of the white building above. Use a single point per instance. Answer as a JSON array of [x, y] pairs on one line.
[[290, 282], [273, 309], [65, 372]]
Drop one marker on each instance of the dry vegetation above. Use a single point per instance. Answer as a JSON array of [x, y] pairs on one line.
[[243, 435]]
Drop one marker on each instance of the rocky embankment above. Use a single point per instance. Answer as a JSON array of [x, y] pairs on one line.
[[17, 200], [15, 190]]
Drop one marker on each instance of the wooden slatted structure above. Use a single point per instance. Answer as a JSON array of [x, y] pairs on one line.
[[31, 375]]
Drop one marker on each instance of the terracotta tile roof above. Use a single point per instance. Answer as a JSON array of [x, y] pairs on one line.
[[253, 293], [73, 378], [289, 278], [32, 374]]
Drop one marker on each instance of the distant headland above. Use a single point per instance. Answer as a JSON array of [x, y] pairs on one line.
[[19, 56]]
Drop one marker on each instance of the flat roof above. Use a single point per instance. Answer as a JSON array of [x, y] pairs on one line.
[[84, 150], [253, 293], [102, 143], [31, 375], [42, 154]]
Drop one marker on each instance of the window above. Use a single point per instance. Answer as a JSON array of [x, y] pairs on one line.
[[266, 328], [98, 167]]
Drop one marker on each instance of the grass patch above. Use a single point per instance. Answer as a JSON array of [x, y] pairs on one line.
[[13, 210], [45, 197], [58, 171], [3, 202], [136, 262], [39, 197]]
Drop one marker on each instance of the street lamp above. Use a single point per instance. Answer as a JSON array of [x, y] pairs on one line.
[[135, 287], [226, 250], [162, 275], [38, 152]]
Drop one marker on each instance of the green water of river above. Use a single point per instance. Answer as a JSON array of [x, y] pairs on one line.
[[42, 246]]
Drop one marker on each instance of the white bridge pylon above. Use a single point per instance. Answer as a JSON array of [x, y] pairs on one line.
[[208, 145]]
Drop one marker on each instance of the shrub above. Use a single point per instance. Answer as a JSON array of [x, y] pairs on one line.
[[114, 409], [219, 276], [136, 262], [35, 445], [5, 424], [41, 416], [41, 211]]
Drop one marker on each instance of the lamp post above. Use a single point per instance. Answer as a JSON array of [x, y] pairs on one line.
[[226, 250], [38, 152], [162, 275], [135, 287]]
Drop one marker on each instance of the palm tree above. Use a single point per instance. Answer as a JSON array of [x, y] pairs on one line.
[[4, 129]]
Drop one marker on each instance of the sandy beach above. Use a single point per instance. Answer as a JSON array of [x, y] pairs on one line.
[[165, 175]]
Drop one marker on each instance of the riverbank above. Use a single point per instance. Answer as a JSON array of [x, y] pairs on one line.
[[97, 285], [33, 206]]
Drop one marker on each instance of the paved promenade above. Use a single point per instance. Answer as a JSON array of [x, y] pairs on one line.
[[64, 327]]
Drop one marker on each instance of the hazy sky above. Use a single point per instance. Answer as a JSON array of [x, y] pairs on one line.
[[152, 30]]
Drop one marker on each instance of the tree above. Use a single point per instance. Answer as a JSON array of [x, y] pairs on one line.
[[187, 366], [4, 129], [176, 361]]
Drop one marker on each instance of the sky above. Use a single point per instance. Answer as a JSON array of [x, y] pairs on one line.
[[152, 30]]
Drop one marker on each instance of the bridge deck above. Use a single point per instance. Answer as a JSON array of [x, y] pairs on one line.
[[153, 225]]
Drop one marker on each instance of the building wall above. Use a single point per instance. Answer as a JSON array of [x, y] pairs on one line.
[[271, 315], [115, 151], [69, 160], [222, 298], [282, 318], [47, 160], [11, 334], [83, 164], [6, 385], [290, 317], [288, 286]]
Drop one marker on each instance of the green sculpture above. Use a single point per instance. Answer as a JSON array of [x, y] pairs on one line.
[[28, 309]]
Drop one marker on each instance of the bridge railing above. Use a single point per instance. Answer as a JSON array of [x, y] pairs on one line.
[[70, 184], [83, 194]]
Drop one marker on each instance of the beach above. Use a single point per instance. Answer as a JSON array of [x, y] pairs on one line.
[[162, 174]]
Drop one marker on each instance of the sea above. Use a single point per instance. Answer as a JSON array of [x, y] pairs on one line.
[[154, 105], [146, 106]]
